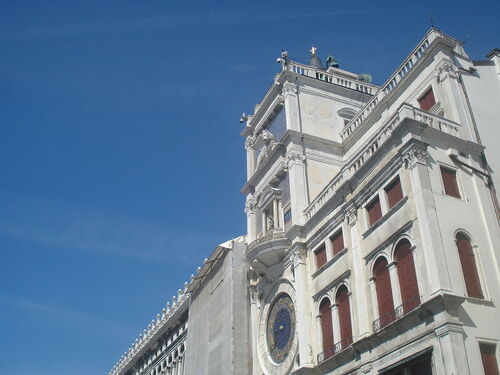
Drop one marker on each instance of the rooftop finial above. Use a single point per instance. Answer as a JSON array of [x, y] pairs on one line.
[[314, 60]]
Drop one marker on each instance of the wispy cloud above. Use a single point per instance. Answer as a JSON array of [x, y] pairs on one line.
[[84, 324], [174, 21], [56, 224]]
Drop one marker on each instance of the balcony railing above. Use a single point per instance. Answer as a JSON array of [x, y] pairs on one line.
[[398, 312], [265, 238], [335, 349]]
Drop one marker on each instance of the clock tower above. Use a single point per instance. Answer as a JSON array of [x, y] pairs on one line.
[[293, 150]]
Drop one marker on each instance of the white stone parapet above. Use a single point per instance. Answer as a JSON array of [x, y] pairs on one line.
[[336, 79], [390, 84]]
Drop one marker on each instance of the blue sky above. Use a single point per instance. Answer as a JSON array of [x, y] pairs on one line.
[[120, 154]]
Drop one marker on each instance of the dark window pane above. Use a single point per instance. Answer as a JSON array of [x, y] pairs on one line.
[[374, 211], [450, 182], [394, 192]]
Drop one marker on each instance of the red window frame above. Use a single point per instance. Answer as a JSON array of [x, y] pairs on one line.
[[469, 267], [337, 241], [489, 359], [450, 182], [374, 210], [320, 255], [427, 100], [394, 192], [326, 324]]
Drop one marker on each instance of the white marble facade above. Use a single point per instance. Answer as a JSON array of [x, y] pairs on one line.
[[372, 230]]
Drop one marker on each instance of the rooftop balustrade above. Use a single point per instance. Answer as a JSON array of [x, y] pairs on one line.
[[336, 79]]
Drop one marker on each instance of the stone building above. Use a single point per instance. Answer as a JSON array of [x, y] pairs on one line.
[[371, 228]]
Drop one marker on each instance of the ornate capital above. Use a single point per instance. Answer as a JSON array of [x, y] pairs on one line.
[[250, 204], [289, 89], [299, 256], [416, 154], [249, 142], [254, 293], [444, 70], [295, 157], [351, 216]]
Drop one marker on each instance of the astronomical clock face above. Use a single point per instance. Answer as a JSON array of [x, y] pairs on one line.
[[277, 341], [280, 328]]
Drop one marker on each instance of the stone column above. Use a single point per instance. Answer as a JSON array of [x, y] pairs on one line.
[[358, 278], [250, 156], [298, 185], [276, 214], [319, 342], [452, 347], [336, 324], [253, 292], [250, 210], [373, 293], [290, 95], [181, 365], [302, 303], [416, 157], [446, 75], [396, 290]]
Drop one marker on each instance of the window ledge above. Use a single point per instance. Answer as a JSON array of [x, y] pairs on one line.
[[330, 262], [384, 218]]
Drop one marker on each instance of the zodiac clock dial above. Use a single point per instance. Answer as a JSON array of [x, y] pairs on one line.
[[280, 328]]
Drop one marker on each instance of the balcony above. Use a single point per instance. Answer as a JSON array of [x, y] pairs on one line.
[[335, 349], [269, 249], [399, 312]]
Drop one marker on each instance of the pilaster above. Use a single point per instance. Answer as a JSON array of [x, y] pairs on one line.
[[416, 158], [303, 310], [298, 185]]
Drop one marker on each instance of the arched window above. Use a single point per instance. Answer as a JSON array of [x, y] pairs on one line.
[[384, 292], [468, 261], [407, 276], [342, 301], [325, 310]]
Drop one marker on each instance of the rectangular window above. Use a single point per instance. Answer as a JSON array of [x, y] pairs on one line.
[[394, 192], [374, 211], [450, 182], [337, 242], [489, 358], [427, 100], [320, 256]]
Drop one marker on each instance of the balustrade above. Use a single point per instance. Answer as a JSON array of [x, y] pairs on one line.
[[398, 312], [335, 349]]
